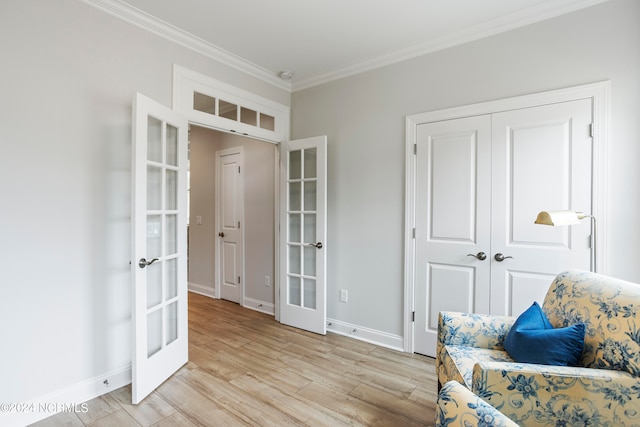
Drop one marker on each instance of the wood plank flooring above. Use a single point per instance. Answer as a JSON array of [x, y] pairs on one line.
[[246, 369]]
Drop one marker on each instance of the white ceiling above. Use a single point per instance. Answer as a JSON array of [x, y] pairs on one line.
[[321, 40]]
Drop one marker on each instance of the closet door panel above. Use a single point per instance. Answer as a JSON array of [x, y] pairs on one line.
[[541, 160], [452, 222]]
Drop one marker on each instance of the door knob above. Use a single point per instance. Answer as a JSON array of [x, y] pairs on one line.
[[317, 245], [480, 255], [143, 262], [499, 257], [221, 234]]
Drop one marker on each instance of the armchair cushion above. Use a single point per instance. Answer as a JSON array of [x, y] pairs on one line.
[[458, 406], [538, 395], [532, 339]]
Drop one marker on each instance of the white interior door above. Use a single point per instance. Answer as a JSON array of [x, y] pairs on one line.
[[541, 160], [453, 203], [303, 189], [230, 217], [159, 265]]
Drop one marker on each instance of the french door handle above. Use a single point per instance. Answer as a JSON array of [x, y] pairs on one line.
[[316, 245], [480, 255], [499, 257], [143, 262]]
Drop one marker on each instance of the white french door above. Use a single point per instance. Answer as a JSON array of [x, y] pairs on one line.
[[480, 183], [303, 202], [229, 220], [159, 265]]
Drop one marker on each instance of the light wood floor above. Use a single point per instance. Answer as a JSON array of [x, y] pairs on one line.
[[247, 369]]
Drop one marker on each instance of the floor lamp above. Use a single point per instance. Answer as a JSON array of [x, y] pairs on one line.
[[560, 218]]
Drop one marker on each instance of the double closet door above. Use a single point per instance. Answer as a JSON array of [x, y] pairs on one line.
[[480, 183]]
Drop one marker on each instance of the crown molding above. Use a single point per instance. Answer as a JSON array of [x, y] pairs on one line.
[[541, 12], [503, 24], [174, 34]]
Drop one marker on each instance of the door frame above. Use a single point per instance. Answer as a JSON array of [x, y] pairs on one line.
[[598, 93], [185, 82], [217, 220]]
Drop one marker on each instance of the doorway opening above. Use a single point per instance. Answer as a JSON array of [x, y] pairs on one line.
[[259, 173]]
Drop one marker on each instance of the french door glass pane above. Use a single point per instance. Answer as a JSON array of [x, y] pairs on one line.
[[310, 261], [172, 322], [154, 188], [310, 293], [172, 145], [154, 332], [309, 228], [154, 236], [310, 156], [295, 164], [294, 228], [154, 285], [310, 195], [295, 196], [154, 140], [294, 290], [172, 187], [171, 278], [172, 234], [294, 259]]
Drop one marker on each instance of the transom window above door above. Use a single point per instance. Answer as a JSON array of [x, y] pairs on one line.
[[212, 103], [230, 111]]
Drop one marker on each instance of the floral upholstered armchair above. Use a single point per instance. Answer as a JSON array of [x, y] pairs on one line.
[[602, 389]]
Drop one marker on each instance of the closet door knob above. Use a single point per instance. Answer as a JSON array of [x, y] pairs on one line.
[[480, 255], [499, 257]]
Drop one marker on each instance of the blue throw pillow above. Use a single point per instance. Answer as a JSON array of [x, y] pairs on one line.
[[532, 339]]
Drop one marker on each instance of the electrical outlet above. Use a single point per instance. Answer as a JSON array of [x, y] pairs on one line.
[[267, 281], [198, 220], [343, 295]]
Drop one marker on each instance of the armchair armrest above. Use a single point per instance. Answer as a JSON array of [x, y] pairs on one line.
[[458, 406], [534, 395], [473, 330]]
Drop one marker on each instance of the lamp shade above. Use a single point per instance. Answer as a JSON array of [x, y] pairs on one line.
[[557, 218]]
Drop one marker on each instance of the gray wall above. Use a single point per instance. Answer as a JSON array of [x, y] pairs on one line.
[[259, 210], [364, 117], [69, 73]]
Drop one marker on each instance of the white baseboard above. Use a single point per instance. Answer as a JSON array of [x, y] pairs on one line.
[[66, 399], [251, 303], [257, 305], [383, 339], [207, 291]]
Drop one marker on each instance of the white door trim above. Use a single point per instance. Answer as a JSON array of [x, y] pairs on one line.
[[599, 93]]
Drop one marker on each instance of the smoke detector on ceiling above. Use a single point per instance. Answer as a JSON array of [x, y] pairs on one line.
[[286, 75]]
